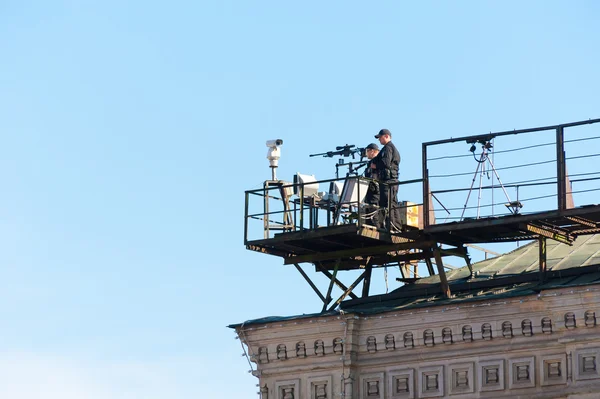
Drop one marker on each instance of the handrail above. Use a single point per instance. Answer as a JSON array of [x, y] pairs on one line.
[[561, 174]]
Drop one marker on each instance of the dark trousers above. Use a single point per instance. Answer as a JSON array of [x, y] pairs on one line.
[[372, 205], [374, 218], [389, 197]]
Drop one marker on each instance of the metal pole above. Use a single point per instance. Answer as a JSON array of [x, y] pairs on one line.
[[358, 203], [301, 207], [266, 209], [480, 184], [542, 247], [425, 187], [246, 218], [561, 169]]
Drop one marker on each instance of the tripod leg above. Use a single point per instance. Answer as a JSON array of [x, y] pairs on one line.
[[480, 183], [471, 188], [499, 181]]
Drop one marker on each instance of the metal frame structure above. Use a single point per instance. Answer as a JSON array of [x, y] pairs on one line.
[[355, 245]]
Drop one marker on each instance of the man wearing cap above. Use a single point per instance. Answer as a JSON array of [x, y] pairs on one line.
[[372, 197], [386, 165]]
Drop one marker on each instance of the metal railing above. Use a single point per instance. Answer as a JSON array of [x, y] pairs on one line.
[[281, 207], [559, 182]]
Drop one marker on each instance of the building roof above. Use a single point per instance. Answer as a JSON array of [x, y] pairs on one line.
[[515, 273]]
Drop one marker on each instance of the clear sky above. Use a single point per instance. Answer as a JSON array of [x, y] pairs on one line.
[[130, 130]]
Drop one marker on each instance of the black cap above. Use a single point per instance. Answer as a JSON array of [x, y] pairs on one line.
[[383, 132], [373, 146]]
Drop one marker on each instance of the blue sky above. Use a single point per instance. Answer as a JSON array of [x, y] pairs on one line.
[[130, 131]]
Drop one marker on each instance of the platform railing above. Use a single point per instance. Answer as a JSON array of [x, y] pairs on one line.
[[281, 207], [569, 168]]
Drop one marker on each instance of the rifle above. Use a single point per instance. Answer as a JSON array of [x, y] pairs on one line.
[[343, 150]]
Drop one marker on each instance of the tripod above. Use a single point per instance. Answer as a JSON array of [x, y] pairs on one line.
[[484, 165], [353, 167]]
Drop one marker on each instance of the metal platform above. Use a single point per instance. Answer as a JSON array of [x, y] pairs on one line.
[[560, 225], [352, 244], [349, 242]]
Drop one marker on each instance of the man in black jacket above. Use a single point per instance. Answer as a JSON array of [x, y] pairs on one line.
[[386, 164], [372, 197]]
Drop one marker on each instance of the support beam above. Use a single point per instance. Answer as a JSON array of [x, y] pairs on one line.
[[429, 264], [544, 232], [487, 251], [335, 280], [460, 251], [348, 253], [542, 248], [367, 281], [440, 266], [309, 281], [349, 290], [582, 221], [402, 268], [328, 296], [467, 258], [469, 265], [376, 261]]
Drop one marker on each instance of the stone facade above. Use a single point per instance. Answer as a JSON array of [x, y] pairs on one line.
[[545, 345]]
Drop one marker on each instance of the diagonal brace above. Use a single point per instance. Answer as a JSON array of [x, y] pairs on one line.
[[328, 296], [349, 290], [309, 281], [335, 280]]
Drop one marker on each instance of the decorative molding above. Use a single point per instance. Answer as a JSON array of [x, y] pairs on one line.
[[491, 375], [263, 355], [288, 389], [447, 335], [401, 384], [590, 318], [486, 331], [319, 347], [467, 333], [507, 330], [300, 349], [428, 338], [408, 340], [281, 352], [319, 387], [371, 386], [390, 342], [371, 344], [338, 345], [264, 392], [461, 378], [527, 328], [547, 325], [431, 381], [585, 364], [521, 372], [570, 321], [553, 369]]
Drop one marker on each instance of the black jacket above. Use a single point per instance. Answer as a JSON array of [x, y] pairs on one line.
[[387, 162], [372, 196]]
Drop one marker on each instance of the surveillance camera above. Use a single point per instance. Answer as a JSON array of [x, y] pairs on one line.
[[274, 143]]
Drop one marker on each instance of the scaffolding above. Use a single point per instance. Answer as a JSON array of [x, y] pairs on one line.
[[336, 234]]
